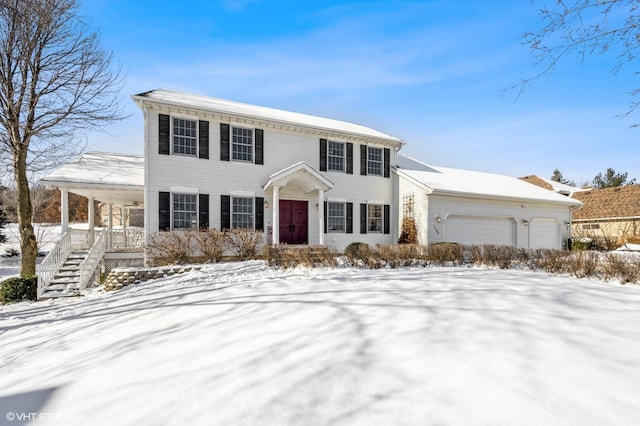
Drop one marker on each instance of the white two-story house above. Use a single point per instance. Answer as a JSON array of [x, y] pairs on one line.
[[301, 179]]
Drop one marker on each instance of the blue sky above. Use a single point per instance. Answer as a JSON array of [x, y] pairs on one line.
[[429, 72]]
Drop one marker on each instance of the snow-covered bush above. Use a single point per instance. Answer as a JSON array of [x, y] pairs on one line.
[[210, 244], [244, 243]]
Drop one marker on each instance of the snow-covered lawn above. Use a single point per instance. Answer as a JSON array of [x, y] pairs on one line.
[[243, 344]]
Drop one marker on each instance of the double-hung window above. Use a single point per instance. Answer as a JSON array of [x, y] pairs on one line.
[[184, 137], [185, 211], [336, 217], [242, 213], [374, 218], [335, 156], [242, 144], [374, 161]]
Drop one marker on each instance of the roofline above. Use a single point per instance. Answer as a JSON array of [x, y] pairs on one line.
[[490, 196], [89, 185], [390, 140], [608, 219]]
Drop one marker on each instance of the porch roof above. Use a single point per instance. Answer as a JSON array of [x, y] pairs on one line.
[[302, 174], [107, 177]]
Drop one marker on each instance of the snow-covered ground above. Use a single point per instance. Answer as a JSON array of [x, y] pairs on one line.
[[46, 235], [243, 344]]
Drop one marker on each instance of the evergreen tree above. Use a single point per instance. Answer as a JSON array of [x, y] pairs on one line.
[[611, 179], [3, 221], [557, 177]]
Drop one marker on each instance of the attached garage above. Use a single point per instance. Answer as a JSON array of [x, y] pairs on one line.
[[544, 233], [475, 208], [470, 230]]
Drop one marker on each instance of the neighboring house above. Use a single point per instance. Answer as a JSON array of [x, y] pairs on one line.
[[467, 207], [301, 179], [552, 185], [611, 215]]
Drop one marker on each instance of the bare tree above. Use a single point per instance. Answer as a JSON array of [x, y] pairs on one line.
[[55, 82], [583, 28]]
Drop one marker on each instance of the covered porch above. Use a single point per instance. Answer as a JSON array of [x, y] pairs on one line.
[[297, 200]]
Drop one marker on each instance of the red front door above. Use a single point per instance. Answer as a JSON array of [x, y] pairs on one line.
[[293, 222]]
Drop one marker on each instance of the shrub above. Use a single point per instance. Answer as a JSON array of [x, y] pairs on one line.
[[171, 247], [11, 252], [551, 261], [401, 255], [244, 243], [617, 265], [583, 264], [583, 243], [445, 253], [360, 254], [290, 257], [210, 243], [18, 289], [409, 232]]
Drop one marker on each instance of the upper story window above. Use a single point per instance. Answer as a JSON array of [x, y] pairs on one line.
[[185, 212], [335, 217], [374, 218], [184, 137], [335, 156], [242, 213], [242, 144], [374, 161]]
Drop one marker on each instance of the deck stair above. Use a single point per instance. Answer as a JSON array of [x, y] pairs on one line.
[[66, 282]]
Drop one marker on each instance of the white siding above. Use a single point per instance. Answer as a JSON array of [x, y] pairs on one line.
[[494, 213], [282, 149]]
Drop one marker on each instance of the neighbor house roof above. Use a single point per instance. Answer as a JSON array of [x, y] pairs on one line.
[[448, 181], [552, 185], [609, 203], [238, 109]]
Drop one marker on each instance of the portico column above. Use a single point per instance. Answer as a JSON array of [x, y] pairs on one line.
[[123, 222], [321, 216], [276, 216], [110, 227], [92, 221], [64, 210]]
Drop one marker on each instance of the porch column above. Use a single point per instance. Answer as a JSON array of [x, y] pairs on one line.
[[110, 227], [321, 216], [123, 222], [92, 221], [64, 210], [275, 227]]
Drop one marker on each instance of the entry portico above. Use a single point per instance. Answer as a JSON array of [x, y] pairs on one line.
[[298, 177]]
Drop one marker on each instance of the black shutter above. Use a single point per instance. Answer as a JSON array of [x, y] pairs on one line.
[[164, 210], [203, 211], [259, 146], [349, 228], [363, 218], [325, 217], [224, 142], [203, 139], [349, 158], [259, 214], [387, 218], [363, 160], [387, 161], [323, 155], [225, 212], [164, 138]]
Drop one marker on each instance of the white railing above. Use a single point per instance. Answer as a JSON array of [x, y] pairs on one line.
[[126, 239], [48, 268], [79, 239], [90, 264]]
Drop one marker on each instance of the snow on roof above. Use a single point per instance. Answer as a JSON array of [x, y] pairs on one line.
[[101, 168], [444, 180], [253, 111], [552, 185]]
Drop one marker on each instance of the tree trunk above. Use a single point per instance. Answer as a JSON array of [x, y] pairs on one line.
[[28, 243]]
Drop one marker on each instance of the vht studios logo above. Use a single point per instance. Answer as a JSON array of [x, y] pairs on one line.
[[32, 417]]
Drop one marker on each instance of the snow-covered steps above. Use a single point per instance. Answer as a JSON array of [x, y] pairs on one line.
[[66, 283]]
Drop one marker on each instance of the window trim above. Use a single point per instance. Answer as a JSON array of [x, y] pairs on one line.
[[195, 211], [344, 217], [196, 137], [233, 212], [232, 143], [370, 161], [381, 218], [344, 156]]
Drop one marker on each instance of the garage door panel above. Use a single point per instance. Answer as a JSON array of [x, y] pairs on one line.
[[477, 230], [544, 233]]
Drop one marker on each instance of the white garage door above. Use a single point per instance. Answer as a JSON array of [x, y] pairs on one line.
[[476, 230], [544, 233]]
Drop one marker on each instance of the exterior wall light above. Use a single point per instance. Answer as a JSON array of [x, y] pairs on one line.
[[438, 219], [525, 222]]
